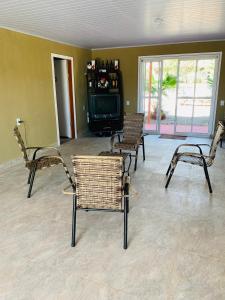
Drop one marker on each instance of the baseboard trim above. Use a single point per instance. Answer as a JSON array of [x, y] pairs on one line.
[[11, 163], [83, 133]]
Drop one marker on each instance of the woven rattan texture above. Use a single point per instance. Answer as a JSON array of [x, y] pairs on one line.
[[132, 132], [98, 181], [21, 143], [132, 127], [217, 137], [44, 162], [108, 153]]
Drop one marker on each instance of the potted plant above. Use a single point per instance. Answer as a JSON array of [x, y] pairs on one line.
[[154, 114], [169, 82]]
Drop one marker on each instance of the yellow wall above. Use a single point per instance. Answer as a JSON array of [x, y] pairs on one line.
[[129, 65], [26, 89]]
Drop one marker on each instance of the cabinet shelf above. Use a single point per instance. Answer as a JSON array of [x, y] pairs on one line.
[[104, 79]]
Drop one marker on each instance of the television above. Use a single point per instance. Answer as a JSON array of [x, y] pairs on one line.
[[104, 106]]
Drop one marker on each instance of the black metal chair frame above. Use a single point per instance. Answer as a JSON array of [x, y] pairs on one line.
[[35, 161], [199, 155], [118, 134], [33, 170], [125, 212]]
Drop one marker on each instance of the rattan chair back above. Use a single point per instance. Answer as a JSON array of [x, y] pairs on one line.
[[98, 181], [133, 127], [21, 143], [216, 139]]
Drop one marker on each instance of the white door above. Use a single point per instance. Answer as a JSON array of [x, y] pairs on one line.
[[62, 96]]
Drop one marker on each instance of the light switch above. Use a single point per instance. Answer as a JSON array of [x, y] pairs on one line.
[[221, 102], [127, 103]]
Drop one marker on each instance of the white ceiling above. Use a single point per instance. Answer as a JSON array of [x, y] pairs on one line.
[[112, 23]]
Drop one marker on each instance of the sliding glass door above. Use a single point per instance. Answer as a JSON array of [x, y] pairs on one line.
[[151, 94], [178, 93]]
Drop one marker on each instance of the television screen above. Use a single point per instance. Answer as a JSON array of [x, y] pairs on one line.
[[106, 104]]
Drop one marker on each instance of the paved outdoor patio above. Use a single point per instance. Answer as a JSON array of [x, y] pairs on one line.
[[169, 128]]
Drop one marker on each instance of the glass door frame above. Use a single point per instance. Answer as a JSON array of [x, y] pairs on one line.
[[141, 89], [190, 56]]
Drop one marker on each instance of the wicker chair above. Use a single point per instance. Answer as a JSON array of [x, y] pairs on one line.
[[99, 185], [44, 161], [198, 159], [132, 136], [222, 138]]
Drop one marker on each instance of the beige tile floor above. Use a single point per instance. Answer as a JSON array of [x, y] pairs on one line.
[[176, 237]]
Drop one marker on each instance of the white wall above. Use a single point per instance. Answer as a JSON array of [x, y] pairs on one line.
[[62, 94]]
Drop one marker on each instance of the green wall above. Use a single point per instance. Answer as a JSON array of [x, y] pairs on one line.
[[26, 89], [129, 65]]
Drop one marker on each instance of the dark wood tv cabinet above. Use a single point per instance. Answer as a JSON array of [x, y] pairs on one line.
[[104, 126], [105, 99]]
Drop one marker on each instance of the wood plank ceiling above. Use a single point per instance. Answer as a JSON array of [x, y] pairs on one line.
[[113, 23]]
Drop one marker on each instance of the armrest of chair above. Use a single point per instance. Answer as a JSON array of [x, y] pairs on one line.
[[59, 157], [193, 154], [204, 145], [191, 145], [50, 156], [66, 192], [119, 132], [112, 140], [42, 148]]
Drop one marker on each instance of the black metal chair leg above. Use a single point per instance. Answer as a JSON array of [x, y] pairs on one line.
[[119, 139], [125, 222], [128, 207], [169, 178], [28, 180], [33, 172], [143, 148], [136, 158], [74, 220], [169, 168], [124, 167], [128, 168], [207, 176], [167, 172]]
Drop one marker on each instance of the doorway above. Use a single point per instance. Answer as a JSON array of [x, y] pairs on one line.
[[178, 93], [63, 87]]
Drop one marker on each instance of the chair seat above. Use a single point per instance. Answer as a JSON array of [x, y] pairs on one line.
[[44, 162], [126, 145], [109, 153], [194, 160]]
